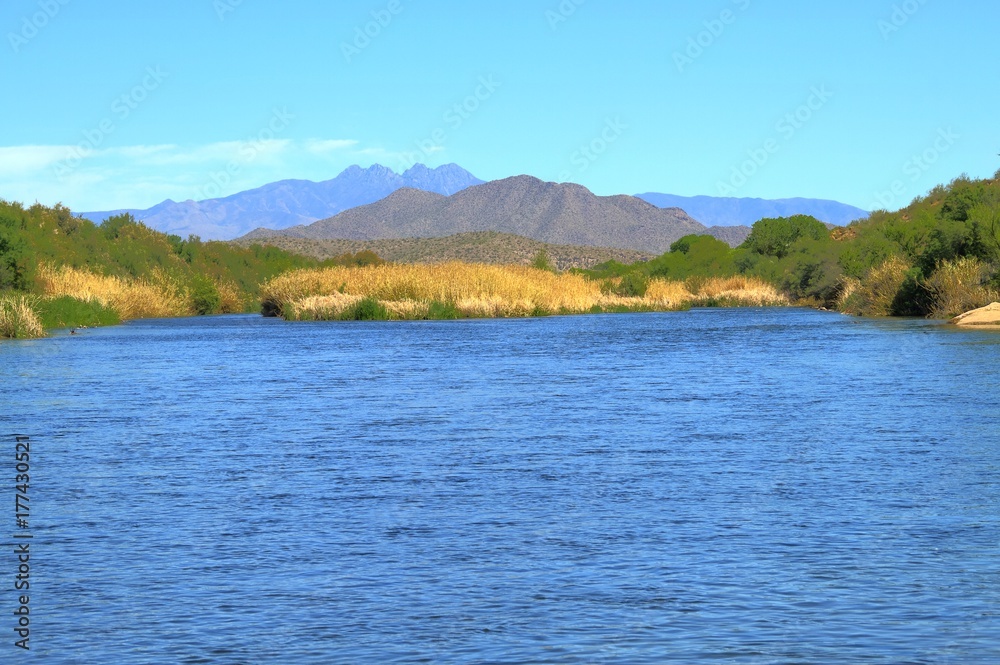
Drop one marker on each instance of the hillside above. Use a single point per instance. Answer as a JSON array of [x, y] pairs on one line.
[[477, 247], [937, 257], [734, 236], [66, 271], [289, 202], [564, 214]]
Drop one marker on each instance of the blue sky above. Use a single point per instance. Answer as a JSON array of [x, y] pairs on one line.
[[114, 103]]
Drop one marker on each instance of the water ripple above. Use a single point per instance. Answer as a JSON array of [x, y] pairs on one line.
[[740, 486]]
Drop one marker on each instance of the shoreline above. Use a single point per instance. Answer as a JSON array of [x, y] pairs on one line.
[[357, 308]]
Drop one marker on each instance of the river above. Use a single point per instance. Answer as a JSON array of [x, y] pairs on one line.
[[738, 486]]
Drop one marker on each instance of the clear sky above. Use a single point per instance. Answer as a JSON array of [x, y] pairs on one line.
[[118, 103]]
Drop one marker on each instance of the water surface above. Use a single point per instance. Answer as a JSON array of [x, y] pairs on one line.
[[738, 486]]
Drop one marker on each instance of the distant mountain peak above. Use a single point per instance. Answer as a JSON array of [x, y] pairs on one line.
[[288, 203], [418, 169], [717, 211], [565, 214]]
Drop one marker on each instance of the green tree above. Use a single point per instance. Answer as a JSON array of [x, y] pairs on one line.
[[774, 237], [15, 256], [985, 219], [366, 257], [963, 195], [114, 226], [694, 255], [542, 261], [205, 295], [633, 285]]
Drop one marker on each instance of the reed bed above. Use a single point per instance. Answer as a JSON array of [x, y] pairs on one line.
[[158, 297], [735, 291], [960, 286], [231, 301], [450, 290], [18, 318], [954, 287], [876, 294]]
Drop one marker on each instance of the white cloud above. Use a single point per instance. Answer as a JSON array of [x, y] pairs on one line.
[[20, 160], [139, 176], [323, 146], [140, 151]]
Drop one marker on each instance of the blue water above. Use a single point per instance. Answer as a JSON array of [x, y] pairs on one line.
[[731, 486]]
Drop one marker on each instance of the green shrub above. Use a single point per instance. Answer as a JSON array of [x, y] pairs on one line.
[[113, 227], [443, 311], [542, 261], [633, 285], [693, 255], [912, 299], [16, 260], [68, 312], [539, 311], [205, 296], [368, 309]]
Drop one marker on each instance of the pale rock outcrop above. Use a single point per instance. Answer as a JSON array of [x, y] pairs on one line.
[[984, 316]]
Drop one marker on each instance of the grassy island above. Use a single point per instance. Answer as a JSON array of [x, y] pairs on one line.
[[461, 290]]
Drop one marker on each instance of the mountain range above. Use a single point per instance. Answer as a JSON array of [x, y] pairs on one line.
[[717, 211], [423, 202], [565, 214], [289, 202]]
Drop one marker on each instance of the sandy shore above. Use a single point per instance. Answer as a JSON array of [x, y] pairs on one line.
[[988, 316]]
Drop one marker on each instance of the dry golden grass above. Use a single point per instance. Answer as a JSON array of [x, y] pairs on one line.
[[499, 290], [663, 291], [477, 290], [876, 294], [230, 299], [18, 319], [955, 287], [736, 291], [136, 299], [960, 286], [847, 297]]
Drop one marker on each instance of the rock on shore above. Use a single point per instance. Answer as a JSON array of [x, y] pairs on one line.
[[984, 316]]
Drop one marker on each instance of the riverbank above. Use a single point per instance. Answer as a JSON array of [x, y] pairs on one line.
[[74, 298]]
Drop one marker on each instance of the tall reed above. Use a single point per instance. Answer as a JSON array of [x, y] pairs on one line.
[[876, 294], [959, 286], [160, 296], [476, 290], [18, 319]]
